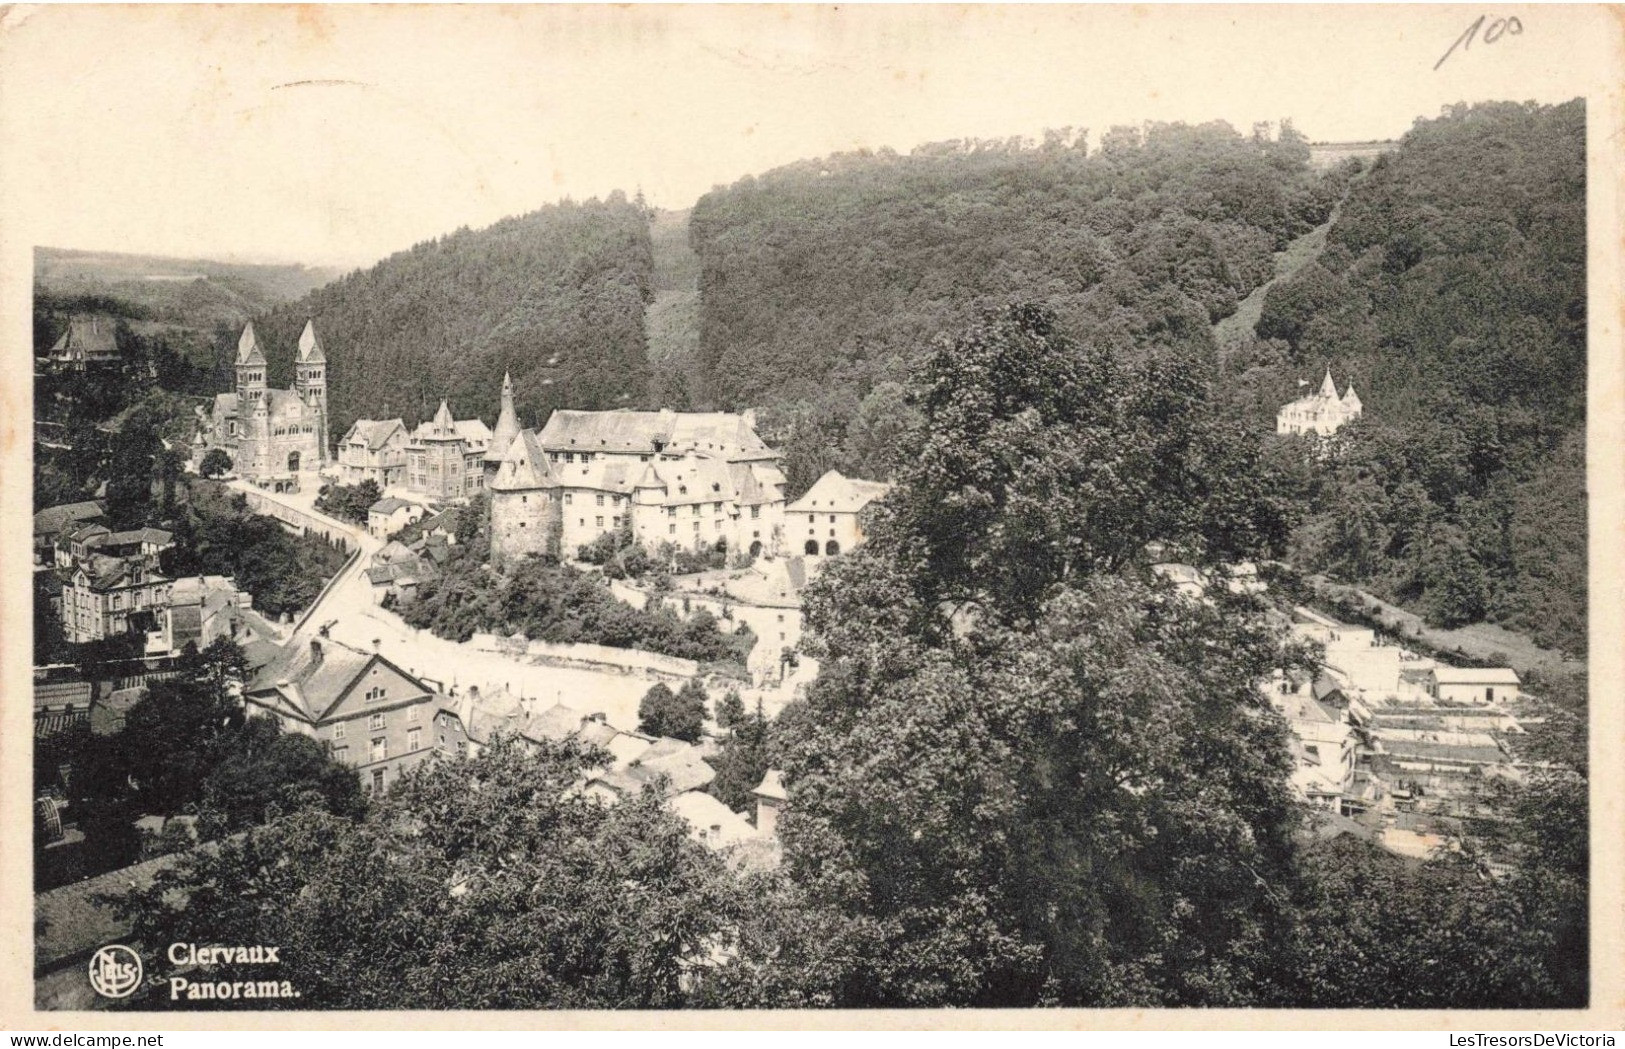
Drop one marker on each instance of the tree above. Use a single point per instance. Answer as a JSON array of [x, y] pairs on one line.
[[742, 760], [266, 773], [678, 715], [215, 463], [1035, 775], [730, 709], [532, 894]]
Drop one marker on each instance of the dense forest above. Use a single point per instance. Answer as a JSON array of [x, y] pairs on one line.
[[823, 282], [556, 297], [1452, 292]]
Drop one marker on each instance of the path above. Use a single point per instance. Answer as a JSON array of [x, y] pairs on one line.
[[1486, 642], [346, 606]]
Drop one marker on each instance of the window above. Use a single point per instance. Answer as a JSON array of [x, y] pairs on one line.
[[414, 739], [376, 721], [569, 457], [380, 748], [338, 731], [696, 526], [755, 513], [600, 499], [566, 498], [412, 714], [671, 529], [671, 511], [716, 508], [696, 510], [831, 519], [599, 521], [811, 519], [375, 694], [377, 781], [615, 521]]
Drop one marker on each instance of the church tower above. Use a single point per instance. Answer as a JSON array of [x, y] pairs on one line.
[[253, 406], [310, 383]]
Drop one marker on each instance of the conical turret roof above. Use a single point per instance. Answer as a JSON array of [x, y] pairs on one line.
[[1327, 387], [248, 347], [310, 347], [1350, 398], [507, 422]]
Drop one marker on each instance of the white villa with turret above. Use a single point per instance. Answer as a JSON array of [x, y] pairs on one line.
[[1322, 412]]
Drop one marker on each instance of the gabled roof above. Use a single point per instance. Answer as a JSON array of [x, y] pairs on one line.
[[723, 434], [248, 347], [54, 519], [310, 347], [604, 475], [388, 505], [310, 675], [836, 493], [1475, 675], [374, 432], [86, 338]]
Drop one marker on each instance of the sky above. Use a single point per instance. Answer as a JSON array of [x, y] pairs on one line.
[[336, 135]]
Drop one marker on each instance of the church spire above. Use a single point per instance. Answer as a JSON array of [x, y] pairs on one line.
[[248, 347], [310, 347]]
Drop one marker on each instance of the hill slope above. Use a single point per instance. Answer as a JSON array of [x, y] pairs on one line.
[[1452, 292], [556, 297]]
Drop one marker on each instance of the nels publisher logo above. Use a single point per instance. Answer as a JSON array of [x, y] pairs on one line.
[[115, 971]]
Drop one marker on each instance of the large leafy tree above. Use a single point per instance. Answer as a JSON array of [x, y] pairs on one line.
[[1027, 773], [486, 883]]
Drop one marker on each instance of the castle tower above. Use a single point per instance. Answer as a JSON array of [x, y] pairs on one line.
[[1328, 389], [524, 508], [310, 383]]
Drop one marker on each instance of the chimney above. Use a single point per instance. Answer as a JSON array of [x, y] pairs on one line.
[[770, 798], [315, 651]]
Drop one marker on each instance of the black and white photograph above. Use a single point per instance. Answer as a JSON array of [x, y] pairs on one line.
[[1035, 510]]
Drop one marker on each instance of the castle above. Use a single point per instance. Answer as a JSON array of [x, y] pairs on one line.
[[274, 437], [1322, 412], [691, 479]]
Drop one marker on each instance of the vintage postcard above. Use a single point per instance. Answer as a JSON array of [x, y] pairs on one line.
[[809, 516]]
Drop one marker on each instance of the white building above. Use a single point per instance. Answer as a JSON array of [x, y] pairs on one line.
[[1473, 685], [1322, 412], [830, 516]]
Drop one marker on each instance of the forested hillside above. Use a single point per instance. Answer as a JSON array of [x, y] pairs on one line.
[[822, 283], [1452, 292], [556, 297]]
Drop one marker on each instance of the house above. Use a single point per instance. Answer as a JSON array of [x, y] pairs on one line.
[[82, 542], [445, 458], [374, 450], [374, 716], [108, 596], [389, 515], [1473, 684], [397, 569], [89, 340], [203, 609], [275, 437], [1321, 413], [50, 523], [835, 511]]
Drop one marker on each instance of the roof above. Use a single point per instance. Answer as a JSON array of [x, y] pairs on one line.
[[87, 337], [605, 475], [507, 427], [836, 493], [524, 467], [69, 922], [248, 347], [54, 519], [724, 434], [388, 505], [713, 822], [107, 573], [374, 432], [772, 786], [310, 347], [1475, 675], [156, 536], [312, 674]]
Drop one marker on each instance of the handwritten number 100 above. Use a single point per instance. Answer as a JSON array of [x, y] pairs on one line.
[[1494, 32]]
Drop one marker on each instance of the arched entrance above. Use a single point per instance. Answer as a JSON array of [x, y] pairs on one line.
[[812, 547], [756, 548], [293, 462], [832, 548]]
